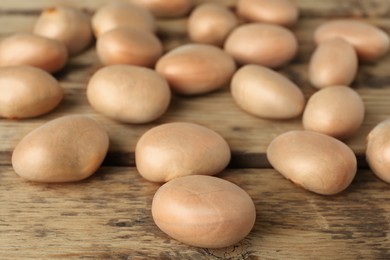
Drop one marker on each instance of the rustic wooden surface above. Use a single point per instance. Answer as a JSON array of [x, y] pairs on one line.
[[248, 136], [108, 215]]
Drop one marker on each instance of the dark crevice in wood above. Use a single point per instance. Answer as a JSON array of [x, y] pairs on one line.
[[30, 12], [343, 13], [119, 159], [239, 160], [353, 9]]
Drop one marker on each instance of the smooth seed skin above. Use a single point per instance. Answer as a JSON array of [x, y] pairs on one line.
[[211, 23], [66, 149], [166, 9], [334, 62], [114, 15], [178, 149], [314, 161], [263, 44], [128, 46], [67, 25], [337, 111], [280, 12], [203, 211], [378, 150], [265, 93], [370, 42], [27, 92], [129, 94], [33, 50], [193, 69]]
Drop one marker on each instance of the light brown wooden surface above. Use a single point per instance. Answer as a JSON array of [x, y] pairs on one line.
[[248, 136], [108, 215]]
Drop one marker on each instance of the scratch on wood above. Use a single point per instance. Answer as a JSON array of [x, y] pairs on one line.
[[321, 219]]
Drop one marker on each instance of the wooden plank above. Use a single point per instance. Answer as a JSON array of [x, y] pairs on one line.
[[308, 8], [248, 136], [177, 28], [108, 217], [33, 7], [344, 8]]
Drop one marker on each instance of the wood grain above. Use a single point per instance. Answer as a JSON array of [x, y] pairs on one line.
[[108, 217], [248, 136], [308, 8]]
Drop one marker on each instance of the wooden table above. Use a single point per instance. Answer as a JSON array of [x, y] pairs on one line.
[[107, 216]]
